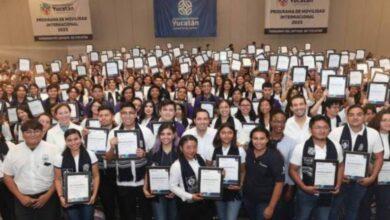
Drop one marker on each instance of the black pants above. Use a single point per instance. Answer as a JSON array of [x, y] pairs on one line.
[[50, 211], [132, 201], [194, 211], [108, 192], [7, 203]]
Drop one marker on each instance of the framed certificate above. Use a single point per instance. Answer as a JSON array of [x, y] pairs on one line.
[[299, 74], [156, 125], [92, 123], [225, 68], [384, 173], [152, 61], [236, 65], [344, 60], [128, 142], [324, 76], [176, 52], [210, 182], [251, 49], [209, 107], [231, 167], [258, 84], [112, 69], [309, 61], [223, 56], [273, 60], [39, 69], [97, 139], [36, 107], [89, 48], [246, 62], [294, 61], [24, 64], [199, 60], [40, 81], [55, 67], [12, 115], [355, 78], [166, 60], [307, 46], [94, 56], [73, 65], [283, 63], [385, 63], [325, 174], [356, 164], [138, 63], [336, 87], [363, 67], [360, 54], [184, 68], [77, 187], [81, 70], [158, 180], [377, 93], [334, 61], [381, 77], [263, 66]]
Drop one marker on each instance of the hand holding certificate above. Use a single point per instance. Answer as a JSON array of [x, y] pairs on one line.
[[356, 165], [158, 180], [231, 168], [77, 187], [210, 182], [128, 142], [378, 93], [325, 174]]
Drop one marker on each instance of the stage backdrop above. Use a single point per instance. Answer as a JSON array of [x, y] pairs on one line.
[[185, 18], [296, 16], [60, 20]]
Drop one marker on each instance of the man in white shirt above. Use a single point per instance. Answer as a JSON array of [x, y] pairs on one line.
[[297, 126], [29, 175], [203, 133], [355, 136], [302, 166]]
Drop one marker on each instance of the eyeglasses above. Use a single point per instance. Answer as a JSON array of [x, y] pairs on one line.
[[31, 132]]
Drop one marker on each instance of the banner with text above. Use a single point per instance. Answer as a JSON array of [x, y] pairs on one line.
[[185, 18], [296, 16], [60, 20]]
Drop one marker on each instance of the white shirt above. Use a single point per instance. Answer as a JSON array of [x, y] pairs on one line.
[[149, 142], [320, 154], [10, 147], [225, 151], [294, 131], [55, 136], [286, 147], [176, 180], [205, 143], [373, 138], [32, 170], [386, 147], [58, 160], [6, 131]]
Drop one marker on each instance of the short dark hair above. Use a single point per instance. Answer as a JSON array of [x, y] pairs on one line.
[[72, 131], [184, 139], [276, 112], [297, 97], [355, 106], [201, 110], [52, 86], [318, 118], [127, 105], [97, 86], [329, 102], [106, 107], [266, 85], [31, 124], [166, 103]]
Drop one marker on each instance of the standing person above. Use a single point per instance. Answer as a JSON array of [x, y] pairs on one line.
[[29, 175], [130, 173], [224, 116], [75, 159], [55, 135], [286, 146], [184, 179], [381, 123], [297, 126], [163, 154], [355, 136], [203, 133], [317, 147], [264, 177], [225, 143], [7, 209]]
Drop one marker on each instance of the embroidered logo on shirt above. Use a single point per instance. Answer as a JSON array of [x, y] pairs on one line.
[[344, 144], [311, 151], [85, 167]]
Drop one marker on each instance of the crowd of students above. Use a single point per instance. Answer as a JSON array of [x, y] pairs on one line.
[[278, 131]]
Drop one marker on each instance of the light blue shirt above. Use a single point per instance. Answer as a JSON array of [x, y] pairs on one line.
[[286, 147]]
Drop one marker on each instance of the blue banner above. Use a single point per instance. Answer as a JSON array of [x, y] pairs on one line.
[[185, 18]]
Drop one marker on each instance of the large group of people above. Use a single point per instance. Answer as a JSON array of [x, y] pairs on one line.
[[184, 120]]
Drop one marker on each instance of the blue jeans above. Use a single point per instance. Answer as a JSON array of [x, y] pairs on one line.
[[255, 210], [228, 210], [164, 209], [349, 197], [308, 207], [382, 194], [80, 212]]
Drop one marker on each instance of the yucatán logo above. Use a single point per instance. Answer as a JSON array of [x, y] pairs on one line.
[[184, 7]]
